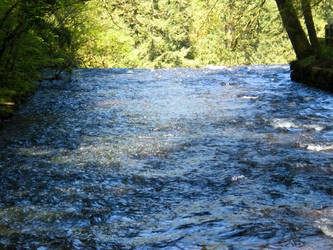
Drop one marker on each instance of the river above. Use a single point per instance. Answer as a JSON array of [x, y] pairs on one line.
[[213, 158]]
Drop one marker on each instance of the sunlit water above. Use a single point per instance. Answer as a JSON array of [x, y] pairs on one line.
[[215, 158]]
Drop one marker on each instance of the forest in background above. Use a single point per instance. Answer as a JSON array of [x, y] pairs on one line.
[[187, 33], [66, 34]]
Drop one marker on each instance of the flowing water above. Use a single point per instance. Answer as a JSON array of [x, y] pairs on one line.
[[214, 158]]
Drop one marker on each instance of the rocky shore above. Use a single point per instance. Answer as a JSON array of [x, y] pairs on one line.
[[50, 77]]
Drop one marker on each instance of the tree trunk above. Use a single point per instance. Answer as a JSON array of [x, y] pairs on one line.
[[306, 8], [294, 29]]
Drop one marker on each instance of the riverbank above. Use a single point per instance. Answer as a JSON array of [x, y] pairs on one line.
[[313, 72], [12, 97]]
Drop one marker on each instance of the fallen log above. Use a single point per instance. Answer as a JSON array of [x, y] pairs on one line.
[[7, 104]]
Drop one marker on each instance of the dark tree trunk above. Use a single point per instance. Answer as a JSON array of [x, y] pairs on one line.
[[294, 29], [306, 8]]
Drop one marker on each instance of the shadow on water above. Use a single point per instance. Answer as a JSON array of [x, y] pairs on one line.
[[216, 158]]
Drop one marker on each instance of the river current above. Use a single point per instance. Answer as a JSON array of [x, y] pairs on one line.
[[213, 158]]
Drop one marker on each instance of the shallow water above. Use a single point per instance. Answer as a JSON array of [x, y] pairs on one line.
[[215, 158]]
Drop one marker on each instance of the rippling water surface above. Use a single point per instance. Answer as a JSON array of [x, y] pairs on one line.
[[215, 158]]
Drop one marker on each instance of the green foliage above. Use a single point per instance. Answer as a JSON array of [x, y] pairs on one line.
[[234, 33], [34, 35], [187, 33], [101, 43], [195, 33]]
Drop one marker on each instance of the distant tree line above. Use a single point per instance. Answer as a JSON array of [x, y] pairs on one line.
[[195, 33], [186, 33]]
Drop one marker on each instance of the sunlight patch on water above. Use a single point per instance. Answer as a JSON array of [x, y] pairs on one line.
[[313, 147], [282, 123], [289, 124], [252, 98]]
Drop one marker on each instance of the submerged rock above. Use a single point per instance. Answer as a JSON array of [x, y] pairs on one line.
[[54, 78]]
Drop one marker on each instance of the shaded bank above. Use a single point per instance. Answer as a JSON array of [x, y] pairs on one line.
[[11, 100], [35, 35], [315, 73]]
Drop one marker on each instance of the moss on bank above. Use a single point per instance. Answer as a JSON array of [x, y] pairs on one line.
[[315, 71]]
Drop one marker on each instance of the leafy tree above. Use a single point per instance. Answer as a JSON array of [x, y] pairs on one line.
[[169, 33], [160, 29], [304, 44], [34, 35], [102, 42]]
